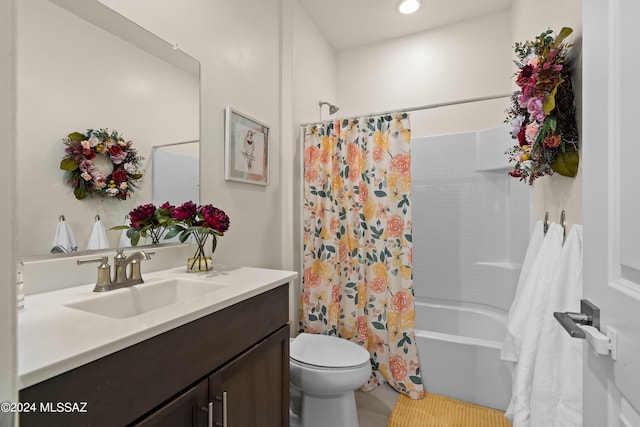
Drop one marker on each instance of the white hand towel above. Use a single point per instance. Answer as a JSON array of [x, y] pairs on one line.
[[556, 389], [125, 242], [98, 238], [526, 323], [64, 236], [510, 348]]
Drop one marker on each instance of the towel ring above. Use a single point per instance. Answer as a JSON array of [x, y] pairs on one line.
[[563, 222], [97, 218], [61, 218]]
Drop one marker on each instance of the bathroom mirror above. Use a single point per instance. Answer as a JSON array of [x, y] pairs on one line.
[[80, 66]]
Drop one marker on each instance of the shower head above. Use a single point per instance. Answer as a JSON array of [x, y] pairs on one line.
[[332, 108]]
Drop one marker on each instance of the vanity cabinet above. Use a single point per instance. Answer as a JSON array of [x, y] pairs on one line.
[[235, 361]]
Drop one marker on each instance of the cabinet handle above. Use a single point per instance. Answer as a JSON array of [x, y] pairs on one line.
[[209, 411], [224, 409]]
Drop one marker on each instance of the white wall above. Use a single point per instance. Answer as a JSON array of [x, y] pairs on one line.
[[555, 193], [467, 60], [8, 364], [69, 83], [313, 72]]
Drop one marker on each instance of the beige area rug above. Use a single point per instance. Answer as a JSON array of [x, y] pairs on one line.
[[440, 411]]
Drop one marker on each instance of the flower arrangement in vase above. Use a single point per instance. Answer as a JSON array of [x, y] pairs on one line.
[[542, 114], [148, 221], [199, 222]]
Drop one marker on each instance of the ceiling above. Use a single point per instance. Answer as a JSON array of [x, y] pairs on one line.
[[352, 23]]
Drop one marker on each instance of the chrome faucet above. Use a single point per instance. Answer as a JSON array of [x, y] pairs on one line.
[[121, 278]]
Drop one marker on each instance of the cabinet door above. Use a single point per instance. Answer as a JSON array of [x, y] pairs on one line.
[[253, 389], [190, 409]]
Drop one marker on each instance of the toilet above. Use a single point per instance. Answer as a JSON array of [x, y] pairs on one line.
[[325, 370]]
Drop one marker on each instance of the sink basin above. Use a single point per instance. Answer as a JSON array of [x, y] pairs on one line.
[[139, 299]]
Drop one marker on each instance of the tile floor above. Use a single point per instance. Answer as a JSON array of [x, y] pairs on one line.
[[375, 407]]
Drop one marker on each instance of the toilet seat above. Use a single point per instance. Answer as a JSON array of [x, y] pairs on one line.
[[327, 352]]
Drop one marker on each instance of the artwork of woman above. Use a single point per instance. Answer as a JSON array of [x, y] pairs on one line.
[[249, 148]]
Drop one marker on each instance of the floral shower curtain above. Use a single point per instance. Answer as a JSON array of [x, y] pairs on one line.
[[357, 281]]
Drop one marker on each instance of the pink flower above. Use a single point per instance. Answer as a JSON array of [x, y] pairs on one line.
[[516, 124], [552, 141], [534, 107], [215, 218], [86, 166], [139, 215], [119, 175], [116, 154], [86, 176], [398, 368], [531, 132], [184, 211]]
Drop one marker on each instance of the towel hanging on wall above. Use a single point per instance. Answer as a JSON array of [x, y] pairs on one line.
[[556, 389], [525, 322], [510, 346], [125, 242], [63, 240], [98, 238]]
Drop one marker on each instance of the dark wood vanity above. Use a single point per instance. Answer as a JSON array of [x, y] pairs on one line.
[[229, 368]]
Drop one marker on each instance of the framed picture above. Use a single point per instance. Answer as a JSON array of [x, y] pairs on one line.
[[246, 143]]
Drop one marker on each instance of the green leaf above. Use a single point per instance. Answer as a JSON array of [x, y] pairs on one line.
[[566, 164], [119, 227], [172, 232], [380, 193], [135, 176], [76, 137], [378, 325], [68, 165], [214, 243], [564, 33], [184, 236], [80, 193], [134, 236], [415, 380], [550, 102]]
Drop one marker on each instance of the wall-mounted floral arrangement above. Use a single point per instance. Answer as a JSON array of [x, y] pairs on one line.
[[101, 163], [542, 112]]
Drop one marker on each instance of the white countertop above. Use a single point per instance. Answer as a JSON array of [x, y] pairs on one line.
[[53, 338]]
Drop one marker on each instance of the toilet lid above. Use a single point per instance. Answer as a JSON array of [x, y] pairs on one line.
[[327, 351]]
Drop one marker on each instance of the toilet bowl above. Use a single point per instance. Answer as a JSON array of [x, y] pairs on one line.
[[325, 370]]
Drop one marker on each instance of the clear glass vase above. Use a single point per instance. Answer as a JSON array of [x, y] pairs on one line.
[[199, 261]]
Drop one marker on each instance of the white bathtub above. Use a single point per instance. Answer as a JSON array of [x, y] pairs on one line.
[[459, 349]]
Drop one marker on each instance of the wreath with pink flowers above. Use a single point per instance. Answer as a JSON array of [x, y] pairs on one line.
[[101, 163], [542, 112]]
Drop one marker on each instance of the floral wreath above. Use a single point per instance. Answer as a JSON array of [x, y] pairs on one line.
[[542, 114], [101, 163]]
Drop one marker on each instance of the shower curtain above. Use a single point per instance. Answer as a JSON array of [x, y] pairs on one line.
[[357, 280]]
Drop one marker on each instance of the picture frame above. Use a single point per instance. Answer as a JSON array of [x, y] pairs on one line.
[[246, 143]]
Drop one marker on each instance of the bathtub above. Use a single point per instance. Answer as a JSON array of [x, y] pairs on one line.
[[459, 348]]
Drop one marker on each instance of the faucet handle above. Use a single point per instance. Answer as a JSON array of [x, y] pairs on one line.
[[104, 272], [119, 254], [134, 273]]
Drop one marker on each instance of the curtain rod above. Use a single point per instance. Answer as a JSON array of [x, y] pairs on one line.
[[421, 107], [171, 144]]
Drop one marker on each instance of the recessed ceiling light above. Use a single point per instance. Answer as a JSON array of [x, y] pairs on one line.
[[408, 6]]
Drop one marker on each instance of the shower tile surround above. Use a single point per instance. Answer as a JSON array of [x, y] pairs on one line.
[[471, 221]]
